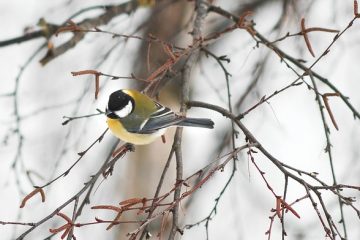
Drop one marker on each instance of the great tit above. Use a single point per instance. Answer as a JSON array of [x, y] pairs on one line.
[[136, 118]]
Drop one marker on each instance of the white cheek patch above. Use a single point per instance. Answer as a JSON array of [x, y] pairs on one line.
[[125, 111]]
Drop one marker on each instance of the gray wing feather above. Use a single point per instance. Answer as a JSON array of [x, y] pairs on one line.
[[162, 118]]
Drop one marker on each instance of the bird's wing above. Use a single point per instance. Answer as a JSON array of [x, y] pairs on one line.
[[163, 117]]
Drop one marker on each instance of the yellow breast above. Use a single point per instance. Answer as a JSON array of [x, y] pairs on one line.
[[119, 131]]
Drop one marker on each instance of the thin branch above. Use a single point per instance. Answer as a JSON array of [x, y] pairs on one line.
[[328, 150], [109, 162], [201, 12], [158, 189], [295, 61], [111, 11], [332, 230], [69, 119], [81, 155]]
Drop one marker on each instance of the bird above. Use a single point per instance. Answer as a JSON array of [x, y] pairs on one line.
[[135, 118]]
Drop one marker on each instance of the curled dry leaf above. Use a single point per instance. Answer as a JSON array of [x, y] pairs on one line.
[[356, 9], [327, 106], [278, 206], [288, 207], [306, 38], [33, 193], [132, 201], [97, 78]]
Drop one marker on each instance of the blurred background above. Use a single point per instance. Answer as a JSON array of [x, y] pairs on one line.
[[35, 147]]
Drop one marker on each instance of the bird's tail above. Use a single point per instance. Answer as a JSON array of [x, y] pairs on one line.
[[197, 122]]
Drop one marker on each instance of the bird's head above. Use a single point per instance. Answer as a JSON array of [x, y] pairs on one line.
[[120, 105]]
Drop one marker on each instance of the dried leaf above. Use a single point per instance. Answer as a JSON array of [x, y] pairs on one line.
[[288, 207], [33, 193], [131, 201], [306, 38]]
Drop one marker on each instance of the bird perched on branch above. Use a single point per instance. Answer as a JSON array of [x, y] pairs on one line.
[[136, 118]]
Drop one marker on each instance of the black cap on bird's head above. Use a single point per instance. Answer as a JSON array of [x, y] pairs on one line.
[[120, 105]]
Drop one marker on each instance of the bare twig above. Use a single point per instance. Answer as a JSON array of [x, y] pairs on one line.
[[261, 39], [329, 227], [328, 149], [81, 155], [89, 184]]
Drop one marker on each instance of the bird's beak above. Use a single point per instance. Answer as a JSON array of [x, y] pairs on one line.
[[110, 114], [107, 112]]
